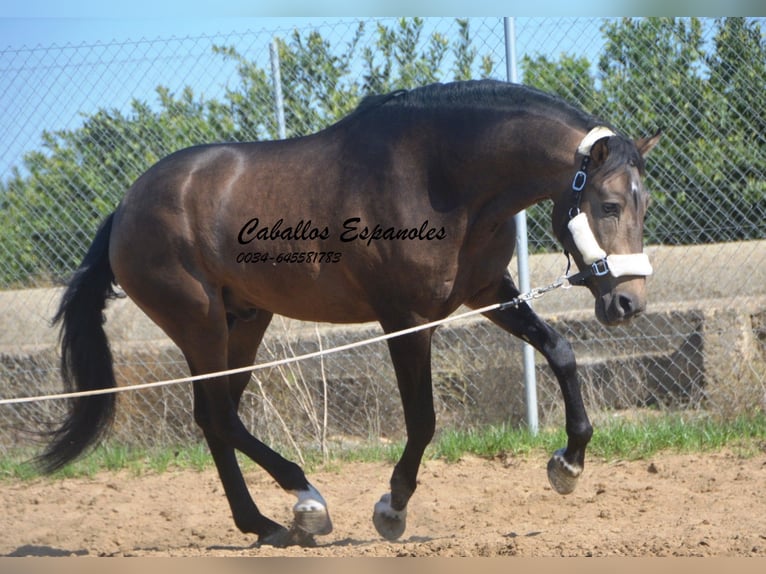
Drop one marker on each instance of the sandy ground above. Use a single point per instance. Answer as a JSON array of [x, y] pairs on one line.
[[671, 505]]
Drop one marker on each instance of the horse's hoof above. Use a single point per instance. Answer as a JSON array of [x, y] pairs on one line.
[[283, 538], [389, 523], [310, 512], [312, 518], [562, 475]]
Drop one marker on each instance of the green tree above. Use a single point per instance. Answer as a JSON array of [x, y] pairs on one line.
[[737, 88], [708, 176], [48, 215], [658, 72], [569, 77], [315, 81], [651, 73]]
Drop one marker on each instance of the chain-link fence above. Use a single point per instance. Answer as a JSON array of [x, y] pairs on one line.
[[81, 122]]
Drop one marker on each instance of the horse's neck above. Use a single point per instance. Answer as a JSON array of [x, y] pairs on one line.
[[530, 162]]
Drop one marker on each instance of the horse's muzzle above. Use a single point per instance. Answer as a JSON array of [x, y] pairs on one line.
[[619, 306]]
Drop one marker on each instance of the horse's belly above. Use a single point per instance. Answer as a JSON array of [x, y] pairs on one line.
[[309, 296]]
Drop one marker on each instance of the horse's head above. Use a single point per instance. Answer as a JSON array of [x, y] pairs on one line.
[[600, 221]]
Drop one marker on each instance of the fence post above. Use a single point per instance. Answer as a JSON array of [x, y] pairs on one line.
[[522, 248], [276, 79]]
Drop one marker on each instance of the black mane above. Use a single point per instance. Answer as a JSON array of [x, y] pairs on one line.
[[478, 94], [503, 96]]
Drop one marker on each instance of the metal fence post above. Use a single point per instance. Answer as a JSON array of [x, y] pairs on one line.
[[522, 248], [276, 78]]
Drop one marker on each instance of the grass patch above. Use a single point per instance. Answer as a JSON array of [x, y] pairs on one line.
[[615, 439], [490, 441], [676, 433], [618, 439], [112, 457]]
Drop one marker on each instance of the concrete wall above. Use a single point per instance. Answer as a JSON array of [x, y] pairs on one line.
[[682, 275]]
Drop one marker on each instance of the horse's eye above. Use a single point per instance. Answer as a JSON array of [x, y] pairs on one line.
[[610, 208]]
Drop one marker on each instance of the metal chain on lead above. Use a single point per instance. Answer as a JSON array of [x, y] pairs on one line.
[[537, 292]]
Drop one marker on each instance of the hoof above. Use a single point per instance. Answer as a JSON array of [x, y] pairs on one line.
[[312, 519], [562, 475], [389, 523], [310, 512], [283, 538]]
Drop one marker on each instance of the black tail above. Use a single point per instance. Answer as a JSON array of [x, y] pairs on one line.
[[86, 361]]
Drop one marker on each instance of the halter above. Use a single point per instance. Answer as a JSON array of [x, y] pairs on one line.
[[599, 263]]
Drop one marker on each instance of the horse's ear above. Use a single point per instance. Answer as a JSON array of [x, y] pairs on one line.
[[645, 145], [600, 151]]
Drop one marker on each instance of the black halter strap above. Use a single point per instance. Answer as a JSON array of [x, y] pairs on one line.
[[578, 184]]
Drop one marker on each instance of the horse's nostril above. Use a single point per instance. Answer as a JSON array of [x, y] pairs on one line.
[[627, 305]]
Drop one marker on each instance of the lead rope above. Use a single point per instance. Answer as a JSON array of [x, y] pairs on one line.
[[515, 302]]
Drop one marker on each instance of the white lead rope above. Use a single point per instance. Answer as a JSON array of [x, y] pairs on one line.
[[533, 294]]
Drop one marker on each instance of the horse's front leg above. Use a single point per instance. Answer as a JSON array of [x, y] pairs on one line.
[[566, 465], [411, 357]]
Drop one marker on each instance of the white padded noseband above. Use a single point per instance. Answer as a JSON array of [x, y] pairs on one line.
[[618, 265]]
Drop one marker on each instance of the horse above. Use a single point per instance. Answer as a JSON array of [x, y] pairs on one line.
[[398, 213]]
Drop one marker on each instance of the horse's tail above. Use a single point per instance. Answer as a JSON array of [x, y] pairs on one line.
[[86, 361]]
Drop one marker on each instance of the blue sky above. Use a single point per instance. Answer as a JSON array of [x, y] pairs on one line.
[[44, 22], [31, 32]]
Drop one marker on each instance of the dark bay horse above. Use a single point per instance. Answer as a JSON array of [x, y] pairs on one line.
[[399, 213]]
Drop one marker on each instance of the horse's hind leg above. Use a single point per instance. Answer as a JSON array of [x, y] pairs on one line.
[[411, 357], [215, 411], [194, 317], [310, 511], [242, 346]]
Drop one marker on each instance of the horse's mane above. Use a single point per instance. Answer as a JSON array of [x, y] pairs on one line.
[[503, 96], [477, 94]]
